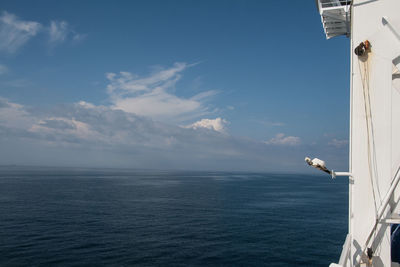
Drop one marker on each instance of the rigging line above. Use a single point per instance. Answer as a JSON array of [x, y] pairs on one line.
[[374, 165], [365, 83], [371, 148], [391, 116], [367, 115], [371, 165]]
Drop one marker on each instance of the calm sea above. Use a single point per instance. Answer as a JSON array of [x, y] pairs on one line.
[[75, 217]]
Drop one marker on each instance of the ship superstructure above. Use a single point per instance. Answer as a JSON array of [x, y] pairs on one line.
[[373, 27]]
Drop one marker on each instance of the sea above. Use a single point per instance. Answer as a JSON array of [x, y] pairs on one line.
[[121, 217]]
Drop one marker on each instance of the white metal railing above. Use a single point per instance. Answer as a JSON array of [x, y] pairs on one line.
[[382, 210], [345, 251], [334, 3]]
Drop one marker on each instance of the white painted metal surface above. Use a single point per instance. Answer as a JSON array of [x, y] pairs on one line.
[[344, 257], [335, 17], [374, 127], [335, 174]]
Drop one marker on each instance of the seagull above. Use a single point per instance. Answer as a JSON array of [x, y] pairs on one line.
[[318, 164]]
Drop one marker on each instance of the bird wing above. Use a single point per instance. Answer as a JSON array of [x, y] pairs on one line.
[[323, 168]]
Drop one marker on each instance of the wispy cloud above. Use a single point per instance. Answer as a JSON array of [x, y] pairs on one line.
[[151, 96], [338, 142], [58, 31], [282, 139], [14, 32], [61, 31]]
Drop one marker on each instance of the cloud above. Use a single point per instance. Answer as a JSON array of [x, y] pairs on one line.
[[281, 139], [338, 143], [125, 83], [85, 123], [150, 96], [84, 134], [217, 124], [58, 123], [14, 33], [60, 31], [77, 37], [13, 115]]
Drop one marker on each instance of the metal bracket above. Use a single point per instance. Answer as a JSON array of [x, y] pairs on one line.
[[393, 29], [334, 174]]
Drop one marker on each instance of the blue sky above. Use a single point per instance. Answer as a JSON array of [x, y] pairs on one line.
[[216, 85]]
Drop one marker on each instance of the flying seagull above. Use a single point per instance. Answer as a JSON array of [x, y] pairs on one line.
[[318, 164]]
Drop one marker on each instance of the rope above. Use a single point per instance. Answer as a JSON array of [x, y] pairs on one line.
[[368, 118]]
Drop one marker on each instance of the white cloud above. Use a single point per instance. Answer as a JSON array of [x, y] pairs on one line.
[[338, 143], [126, 84], [14, 33], [217, 124], [281, 139], [151, 96], [13, 115], [86, 134], [69, 130]]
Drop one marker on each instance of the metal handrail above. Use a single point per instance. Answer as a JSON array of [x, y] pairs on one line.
[[382, 209], [334, 3]]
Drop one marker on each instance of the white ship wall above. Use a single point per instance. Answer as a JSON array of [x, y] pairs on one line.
[[375, 124]]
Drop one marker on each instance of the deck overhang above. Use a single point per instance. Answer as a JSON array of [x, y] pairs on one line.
[[335, 17]]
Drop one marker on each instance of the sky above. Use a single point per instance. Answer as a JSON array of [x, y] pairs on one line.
[[186, 85]]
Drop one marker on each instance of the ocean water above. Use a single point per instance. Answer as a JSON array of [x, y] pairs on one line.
[[75, 217]]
